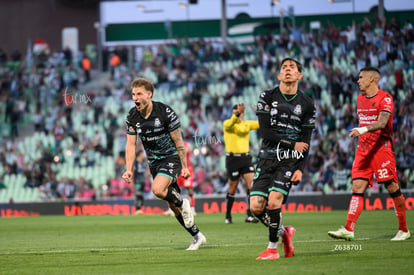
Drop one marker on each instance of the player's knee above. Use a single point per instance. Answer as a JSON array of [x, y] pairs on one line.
[[391, 186], [256, 209], [158, 192]]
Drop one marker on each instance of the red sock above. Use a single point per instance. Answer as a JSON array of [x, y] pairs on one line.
[[192, 200], [399, 205], [356, 205]]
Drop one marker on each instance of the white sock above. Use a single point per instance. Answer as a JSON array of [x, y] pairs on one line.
[[272, 245]]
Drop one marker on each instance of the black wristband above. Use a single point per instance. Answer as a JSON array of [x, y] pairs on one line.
[[287, 144]]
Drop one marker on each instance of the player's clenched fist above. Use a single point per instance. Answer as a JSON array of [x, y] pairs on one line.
[[185, 173], [127, 176]]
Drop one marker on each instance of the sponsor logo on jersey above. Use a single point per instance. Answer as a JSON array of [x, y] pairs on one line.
[[385, 163], [274, 103], [295, 117], [364, 117]]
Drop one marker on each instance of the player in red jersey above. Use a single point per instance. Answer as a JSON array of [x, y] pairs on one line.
[[186, 183], [374, 154]]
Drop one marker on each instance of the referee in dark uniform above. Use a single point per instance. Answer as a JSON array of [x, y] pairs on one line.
[[238, 159]]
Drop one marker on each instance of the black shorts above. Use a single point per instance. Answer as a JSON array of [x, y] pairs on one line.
[[238, 165], [273, 175], [168, 167]]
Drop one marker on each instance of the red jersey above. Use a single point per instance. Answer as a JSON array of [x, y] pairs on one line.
[[187, 182], [368, 110]]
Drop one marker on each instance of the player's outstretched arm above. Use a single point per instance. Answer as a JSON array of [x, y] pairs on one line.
[[179, 144], [130, 157]]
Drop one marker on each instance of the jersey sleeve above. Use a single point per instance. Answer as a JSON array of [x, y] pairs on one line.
[[130, 128], [172, 120], [253, 124], [263, 105], [386, 104], [310, 115]]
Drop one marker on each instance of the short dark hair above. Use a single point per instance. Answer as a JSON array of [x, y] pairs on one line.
[[298, 64], [142, 82], [235, 106], [370, 69]]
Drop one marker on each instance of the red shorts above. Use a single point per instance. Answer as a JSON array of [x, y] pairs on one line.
[[186, 183], [381, 163]]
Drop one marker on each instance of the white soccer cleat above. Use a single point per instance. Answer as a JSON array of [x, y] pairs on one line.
[[342, 233], [169, 212], [401, 236], [197, 242], [187, 213]]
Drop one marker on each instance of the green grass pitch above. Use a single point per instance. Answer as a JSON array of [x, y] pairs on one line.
[[156, 244]]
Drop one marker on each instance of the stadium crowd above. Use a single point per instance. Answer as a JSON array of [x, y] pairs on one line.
[[57, 131]]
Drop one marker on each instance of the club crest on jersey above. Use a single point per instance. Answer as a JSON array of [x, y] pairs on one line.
[[157, 122], [297, 110]]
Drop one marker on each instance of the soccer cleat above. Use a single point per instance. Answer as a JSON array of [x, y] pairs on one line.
[[139, 212], [288, 247], [168, 212], [187, 214], [342, 233], [250, 219], [197, 242], [269, 254], [401, 236], [228, 221]]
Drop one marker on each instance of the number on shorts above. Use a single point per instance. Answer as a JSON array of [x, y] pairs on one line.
[[382, 173]]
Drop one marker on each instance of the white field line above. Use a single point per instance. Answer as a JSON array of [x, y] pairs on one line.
[[120, 249]]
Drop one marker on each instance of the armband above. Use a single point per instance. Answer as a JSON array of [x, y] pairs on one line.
[[287, 144]]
